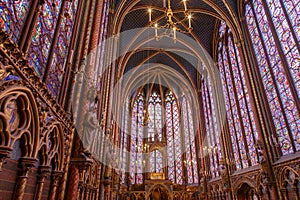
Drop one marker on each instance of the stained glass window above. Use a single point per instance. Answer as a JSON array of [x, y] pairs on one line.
[[54, 79], [179, 144], [12, 16], [212, 143], [43, 35], [189, 140], [136, 141], [274, 30], [174, 143], [102, 39], [156, 161], [155, 113], [124, 140], [243, 132]]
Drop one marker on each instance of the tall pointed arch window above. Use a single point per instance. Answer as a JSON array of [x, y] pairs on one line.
[[12, 16], [61, 49], [136, 140], [243, 132], [43, 35], [174, 144], [189, 141], [211, 146], [124, 137], [274, 31], [155, 115], [175, 154]]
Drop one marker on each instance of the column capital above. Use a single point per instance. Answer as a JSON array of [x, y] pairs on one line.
[[4, 152], [44, 172], [25, 165]]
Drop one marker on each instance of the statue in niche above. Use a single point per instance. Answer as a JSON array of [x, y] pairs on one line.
[[224, 173], [90, 129], [261, 158], [7, 71], [11, 112]]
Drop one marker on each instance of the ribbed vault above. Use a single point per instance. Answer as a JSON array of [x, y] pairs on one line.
[[206, 16]]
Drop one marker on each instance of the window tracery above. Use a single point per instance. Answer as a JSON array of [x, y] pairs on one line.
[[243, 132], [13, 15], [43, 35], [61, 49], [275, 40], [179, 138]]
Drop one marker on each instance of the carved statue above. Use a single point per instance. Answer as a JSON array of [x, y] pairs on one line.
[[263, 163], [224, 173], [5, 69], [261, 158], [11, 112], [90, 129]]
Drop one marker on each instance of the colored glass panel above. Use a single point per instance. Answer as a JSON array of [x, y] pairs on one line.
[[170, 141], [43, 35], [189, 140], [240, 117], [136, 156], [212, 142], [12, 16], [287, 41], [54, 80], [174, 139], [271, 65], [155, 112], [175, 165]]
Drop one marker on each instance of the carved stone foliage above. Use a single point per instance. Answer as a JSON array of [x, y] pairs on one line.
[[28, 111], [52, 146], [18, 119], [288, 174], [11, 56], [29, 114]]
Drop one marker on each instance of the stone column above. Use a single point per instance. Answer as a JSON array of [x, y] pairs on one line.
[[79, 191], [83, 188], [56, 175], [73, 188], [4, 152], [44, 172], [87, 193], [283, 194], [27, 43], [26, 165]]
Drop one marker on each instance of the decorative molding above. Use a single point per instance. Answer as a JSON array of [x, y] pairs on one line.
[[17, 60]]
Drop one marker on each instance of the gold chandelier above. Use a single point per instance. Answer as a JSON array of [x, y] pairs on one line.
[[172, 23], [145, 117]]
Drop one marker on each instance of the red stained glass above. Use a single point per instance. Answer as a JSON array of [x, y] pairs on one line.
[[239, 112], [43, 35], [57, 68], [271, 65], [13, 15]]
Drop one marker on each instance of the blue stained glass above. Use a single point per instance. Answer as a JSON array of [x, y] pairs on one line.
[[278, 89], [13, 15], [239, 112], [55, 78], [43, 35], [136, 157]]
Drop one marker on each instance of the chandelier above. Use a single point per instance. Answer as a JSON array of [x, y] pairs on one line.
[[145, 117], [172, 23]]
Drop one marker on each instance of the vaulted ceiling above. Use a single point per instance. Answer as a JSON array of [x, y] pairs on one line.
[[206, 16]]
